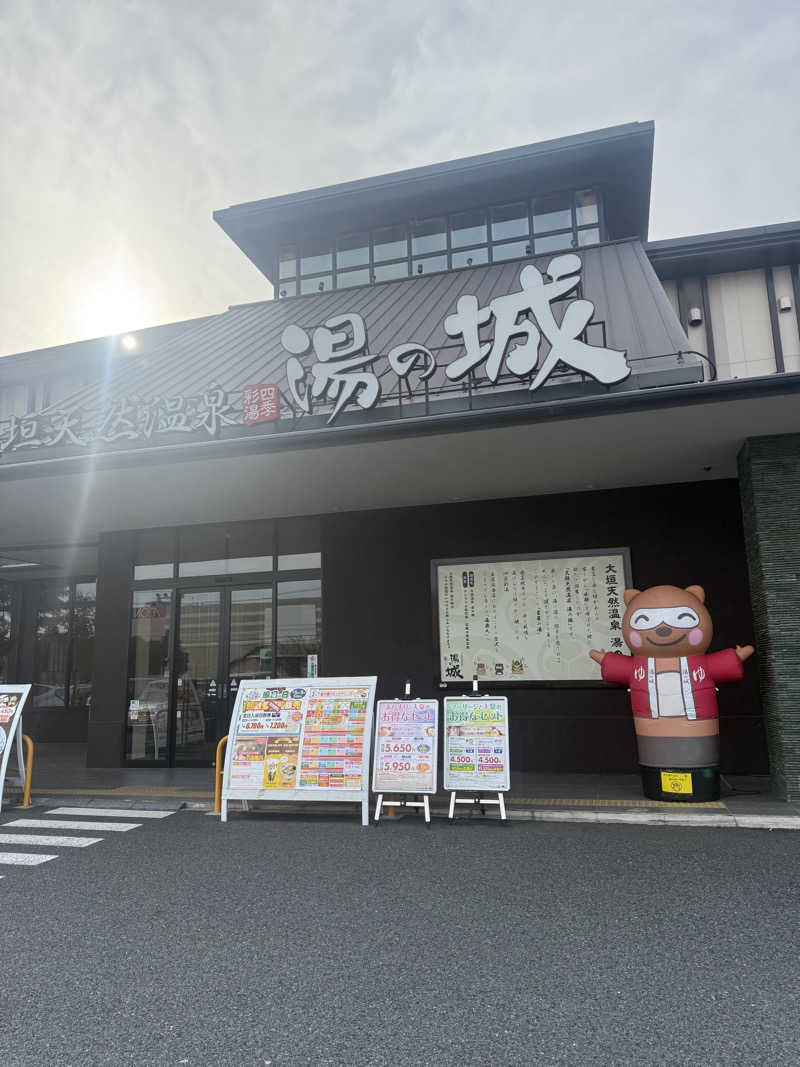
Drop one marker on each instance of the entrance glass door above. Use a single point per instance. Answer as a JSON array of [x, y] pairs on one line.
[[250, 637], [198, 720]]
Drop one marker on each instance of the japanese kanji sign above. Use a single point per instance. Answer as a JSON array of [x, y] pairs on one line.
[[523, 619]]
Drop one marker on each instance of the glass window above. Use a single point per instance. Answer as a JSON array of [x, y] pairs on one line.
[[287, 263], [390, 271], [509, 221], [428, 236], [241, 565], [317, 256], [287, 289], [300, 561], [390, 243], [470, 257], [148, 674], [554, 243], [429, 265], [589, 237], [83, 624], [552, 213], [586, 209], [299, 627], [152, 572], [512, 250], [316, 285], [51, 647], [251, 634], [6, 629], [467, 228], [347, 278], [352, 251]]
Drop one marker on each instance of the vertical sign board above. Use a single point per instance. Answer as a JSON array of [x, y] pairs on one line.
[[406, 744], [476, 752], [300, 739], [12, 701]]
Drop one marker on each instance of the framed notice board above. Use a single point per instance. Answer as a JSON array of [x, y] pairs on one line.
[[528, 619], [300, 739]]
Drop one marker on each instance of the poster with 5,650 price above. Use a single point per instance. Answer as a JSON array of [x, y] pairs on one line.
[[476, 751], [406, 743]]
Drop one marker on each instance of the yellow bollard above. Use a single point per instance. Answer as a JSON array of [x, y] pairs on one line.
[[26, 796], [219, 767]]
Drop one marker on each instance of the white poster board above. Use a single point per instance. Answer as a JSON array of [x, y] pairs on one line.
[[12, 701], [529, 618], [300, 739], [406, 746], [476, 749]]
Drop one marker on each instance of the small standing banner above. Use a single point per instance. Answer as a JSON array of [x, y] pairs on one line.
[[406, 744], [476, 751], [12, 701], [300, 739]]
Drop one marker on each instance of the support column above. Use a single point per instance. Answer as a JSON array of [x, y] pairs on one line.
[[110, 670], [769, 484]]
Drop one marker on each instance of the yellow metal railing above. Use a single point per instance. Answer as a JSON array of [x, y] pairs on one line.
[[219, 767]]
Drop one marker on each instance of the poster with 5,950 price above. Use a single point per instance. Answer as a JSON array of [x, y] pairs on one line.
[[406, 746], [476, 751]]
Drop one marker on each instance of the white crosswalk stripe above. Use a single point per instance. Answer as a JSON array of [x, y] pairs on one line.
[[64, 824], [48, 840], [80, 819], [24, 859], [111, 813]]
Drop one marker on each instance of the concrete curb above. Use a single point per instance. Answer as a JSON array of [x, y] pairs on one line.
[[733, 822]]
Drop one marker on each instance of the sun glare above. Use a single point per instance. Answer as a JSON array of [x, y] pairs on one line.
[[110, 306]]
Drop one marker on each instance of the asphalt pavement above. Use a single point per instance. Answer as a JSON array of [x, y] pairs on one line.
[[309, 940]]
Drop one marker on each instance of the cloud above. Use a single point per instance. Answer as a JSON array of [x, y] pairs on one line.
[[127, 124]]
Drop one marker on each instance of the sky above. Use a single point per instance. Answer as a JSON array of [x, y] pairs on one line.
[[126, 123]]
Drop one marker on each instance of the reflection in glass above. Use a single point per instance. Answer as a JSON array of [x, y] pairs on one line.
[[242, 565], [148, 675], [512, 250], [299, 627], [391, 271], [429, 265], [316, 285], [152, 572], [251, 636], [345, 279], [6, 630], [428, 236], [287, 289], [287, 263], [390, 243], [552, 213], [317, 256], [586, 207], [470, 257], [51, 646], [509, 221], [84, 605], [554, 243], [198, 697], [467, 228], [302, 561], [589, 237], [352, 251]]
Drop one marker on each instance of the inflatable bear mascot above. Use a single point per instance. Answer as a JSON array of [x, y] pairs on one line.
[[672, 683]]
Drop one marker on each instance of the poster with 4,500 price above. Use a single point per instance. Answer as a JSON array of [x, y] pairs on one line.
[[476, 751]]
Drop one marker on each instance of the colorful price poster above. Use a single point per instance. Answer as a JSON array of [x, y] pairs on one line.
[[476, 751], [12, 701], [301, 739], [406, 743], [333, 739]]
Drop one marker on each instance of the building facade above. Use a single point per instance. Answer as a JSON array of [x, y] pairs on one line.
[[479, 405]]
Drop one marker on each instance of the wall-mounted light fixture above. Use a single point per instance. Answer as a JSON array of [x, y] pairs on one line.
[[695, 316], [784, 303]]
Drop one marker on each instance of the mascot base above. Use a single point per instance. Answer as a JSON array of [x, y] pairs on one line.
[[696, 784]]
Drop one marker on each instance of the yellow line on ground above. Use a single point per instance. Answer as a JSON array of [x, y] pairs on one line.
[[121, 791]]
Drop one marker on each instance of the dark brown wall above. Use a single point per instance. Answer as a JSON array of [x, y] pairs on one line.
[[377, 615]]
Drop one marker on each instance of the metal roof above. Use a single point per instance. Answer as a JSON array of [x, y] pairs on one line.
[[243, 345]]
